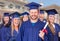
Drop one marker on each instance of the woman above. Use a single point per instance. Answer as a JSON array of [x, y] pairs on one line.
[[6, 20], [5, 26], [52, 28], [15, 24], [25, 16]]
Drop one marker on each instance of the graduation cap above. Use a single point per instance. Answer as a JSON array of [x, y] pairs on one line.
[[41, 11], [51, 12], [6, 14], [25, 13], [15, 15], [33, 5]]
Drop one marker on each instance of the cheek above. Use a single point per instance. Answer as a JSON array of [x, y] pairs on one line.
[[16, 21], [41, 15], [51, 19], [6, 19], [36, 13]]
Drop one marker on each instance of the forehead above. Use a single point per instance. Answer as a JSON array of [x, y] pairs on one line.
[[16, 18], [52, 15], [34, 10]]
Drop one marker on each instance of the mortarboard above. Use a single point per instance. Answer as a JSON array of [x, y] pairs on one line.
[[33, 5], [41, 11], [15, 15], [6, 14], [51, 12], [25, 13]]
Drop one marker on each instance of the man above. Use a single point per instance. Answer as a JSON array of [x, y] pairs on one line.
[[30, 29], [41, 16]]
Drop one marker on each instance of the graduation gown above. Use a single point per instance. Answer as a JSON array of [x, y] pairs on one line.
[[52, 37], [30, 32], [0, 34], [13, 38], [5, 33], [58, 35], [44, 20]]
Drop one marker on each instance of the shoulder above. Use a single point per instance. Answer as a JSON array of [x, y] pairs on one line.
[[1, 25], [57, 24]]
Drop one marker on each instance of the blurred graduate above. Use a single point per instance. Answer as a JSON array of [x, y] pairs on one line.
[[53, 28], [42, 16], [25, 16], [30, 29], [15, 24], [5, 26]]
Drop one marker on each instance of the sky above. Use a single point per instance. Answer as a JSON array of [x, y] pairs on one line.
[[47, 2]]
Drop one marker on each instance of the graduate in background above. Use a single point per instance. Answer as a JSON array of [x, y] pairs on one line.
[[25, 16], [53, 27], [41, 16], [5, 26], [15, 24], [6, 20], [30, 29]]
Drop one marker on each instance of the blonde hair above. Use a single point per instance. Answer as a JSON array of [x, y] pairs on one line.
[[13, 28], [50, 26]]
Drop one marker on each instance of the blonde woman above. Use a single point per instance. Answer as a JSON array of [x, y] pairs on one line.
[[53, 27], [15, 24]]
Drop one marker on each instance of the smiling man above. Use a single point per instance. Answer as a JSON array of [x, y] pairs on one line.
[[30, 29]]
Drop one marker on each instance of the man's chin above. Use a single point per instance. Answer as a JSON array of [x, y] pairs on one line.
[[33, 18]]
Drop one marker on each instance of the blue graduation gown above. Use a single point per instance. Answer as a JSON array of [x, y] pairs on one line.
[[29, 32], [52, 37], [44, 20], [0, 35], [5, 33], [13, 38]]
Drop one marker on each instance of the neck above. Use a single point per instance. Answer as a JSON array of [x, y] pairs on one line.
[[33, 21], [52, 23], [16, 28]]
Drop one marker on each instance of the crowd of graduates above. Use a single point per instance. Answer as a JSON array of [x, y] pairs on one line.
[[32, 27]]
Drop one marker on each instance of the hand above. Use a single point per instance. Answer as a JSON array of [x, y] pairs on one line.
[[41, 34]]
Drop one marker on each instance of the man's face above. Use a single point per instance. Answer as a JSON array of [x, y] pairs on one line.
[[34, 14]]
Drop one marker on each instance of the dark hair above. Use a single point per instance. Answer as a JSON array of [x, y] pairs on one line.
[[8, 24]]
